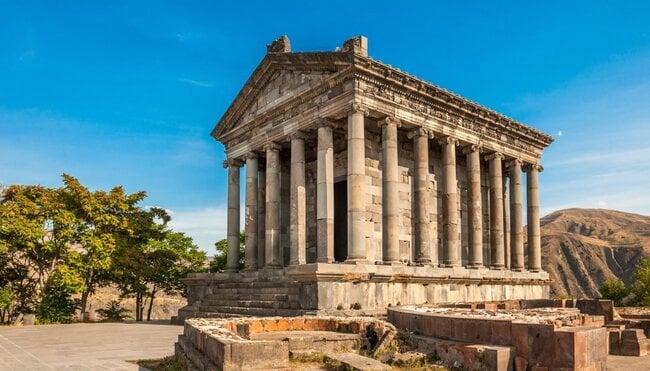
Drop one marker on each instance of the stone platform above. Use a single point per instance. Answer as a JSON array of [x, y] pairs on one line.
[[340, 288]]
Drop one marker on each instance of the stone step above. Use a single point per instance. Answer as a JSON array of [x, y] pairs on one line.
[[257, 284], [251, 303], [225, 311], [353, 361], [254, 290], [255, 296]]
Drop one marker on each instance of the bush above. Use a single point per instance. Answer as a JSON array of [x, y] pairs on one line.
[[56, 307], [114, 312], [641, 283], [614, 290]]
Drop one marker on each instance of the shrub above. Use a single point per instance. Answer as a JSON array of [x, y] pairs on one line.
[[614, 290], [56, 307], [114, 312]]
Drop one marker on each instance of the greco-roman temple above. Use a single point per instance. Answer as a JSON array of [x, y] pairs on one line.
[[366, 187]]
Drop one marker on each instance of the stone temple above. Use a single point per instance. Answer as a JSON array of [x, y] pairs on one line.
[[366, 187]]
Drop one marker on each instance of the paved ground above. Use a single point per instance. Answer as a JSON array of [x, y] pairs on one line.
[[87, 346], [620, 363]]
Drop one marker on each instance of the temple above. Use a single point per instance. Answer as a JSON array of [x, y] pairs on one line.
[[367, 187]]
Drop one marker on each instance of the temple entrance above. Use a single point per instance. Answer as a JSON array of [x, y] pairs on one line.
[[340, 221]]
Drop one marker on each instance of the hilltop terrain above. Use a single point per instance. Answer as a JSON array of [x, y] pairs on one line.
[[581, 248]]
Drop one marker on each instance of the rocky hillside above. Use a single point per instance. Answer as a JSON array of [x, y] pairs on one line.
[[583, 247]]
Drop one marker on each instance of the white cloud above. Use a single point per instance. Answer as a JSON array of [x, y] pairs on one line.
[[28, 54], [206, 225], [199, 83], [559, 133]]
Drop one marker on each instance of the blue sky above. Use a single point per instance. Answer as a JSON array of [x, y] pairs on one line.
[[126, 92]]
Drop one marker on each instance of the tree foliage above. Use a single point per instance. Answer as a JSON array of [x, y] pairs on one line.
[[220, 261], [60, 242], [614, 290], [637, 293]]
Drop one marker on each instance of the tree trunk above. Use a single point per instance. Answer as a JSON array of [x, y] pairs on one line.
[[153, 296], [138, 306], [84, 302]]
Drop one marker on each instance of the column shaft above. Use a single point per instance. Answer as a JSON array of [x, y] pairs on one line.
[[298, 252], [272, 238], [475, 209], [421, 197], [232, 253], [250, 220], [506, 220], [516, 217], [390, 207], [356, 186], [532, 197], [496, 213], [325, 195], [450, 232], [261, 216]]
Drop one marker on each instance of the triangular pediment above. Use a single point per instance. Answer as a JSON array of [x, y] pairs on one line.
[[278, 78]]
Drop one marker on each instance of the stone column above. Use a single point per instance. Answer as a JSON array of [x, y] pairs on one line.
[[261, 214], [474, 207], [356, 185], [389, 193], [506, 218], [532, 197], [232, 253], [272, 233], [423, 251], [516, 217], [497, 249], [250, 220], [297, 253], [325, 194], [450, 231]]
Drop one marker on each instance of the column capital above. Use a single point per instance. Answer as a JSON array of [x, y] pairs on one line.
[[325, 122], [495, 155], [420, 132], [514, 163], [233, 162], [273, 146], [472, 148], [251, 155], [536, 166], [388, 120], [356, 107], [448, 140], [299, 134]]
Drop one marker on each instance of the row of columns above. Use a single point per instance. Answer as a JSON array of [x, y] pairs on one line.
[[263, 236]]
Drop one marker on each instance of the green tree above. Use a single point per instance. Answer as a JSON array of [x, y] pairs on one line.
[[99, 216], [641, 283], [35, 228], [615, 290], [220, 261], [153, 259]]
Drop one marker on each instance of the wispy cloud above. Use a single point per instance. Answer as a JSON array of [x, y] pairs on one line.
[[205, 225], [199, 83], [28, 54]]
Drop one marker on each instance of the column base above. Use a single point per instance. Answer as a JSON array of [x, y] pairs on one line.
[[272, 266], [498, 267], [475, 266], [231, 270], [324, 260], [250, 269], [449, 265], [390, 263], [356, 261], [518, 269]]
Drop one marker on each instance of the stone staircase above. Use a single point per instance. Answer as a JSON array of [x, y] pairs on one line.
[[274, 296]]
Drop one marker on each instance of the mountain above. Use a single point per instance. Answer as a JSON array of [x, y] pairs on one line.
[[581, 248]]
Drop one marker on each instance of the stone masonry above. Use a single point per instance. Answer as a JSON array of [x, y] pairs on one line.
[[360, 174]]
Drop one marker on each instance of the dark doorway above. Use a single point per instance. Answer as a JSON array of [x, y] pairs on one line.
[[341, 221]]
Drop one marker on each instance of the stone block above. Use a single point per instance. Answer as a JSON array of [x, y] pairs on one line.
[[501, 331], [580, 348], [614, 341]]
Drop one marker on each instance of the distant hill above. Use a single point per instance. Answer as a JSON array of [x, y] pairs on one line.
[[581, 248]]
